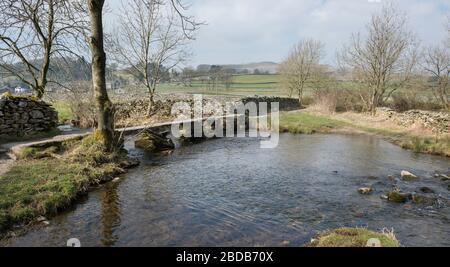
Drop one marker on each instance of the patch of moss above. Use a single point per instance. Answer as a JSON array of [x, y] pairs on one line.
[[38, 153], [351, 237], [9, 95]]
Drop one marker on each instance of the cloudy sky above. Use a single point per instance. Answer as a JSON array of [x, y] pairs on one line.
[[243, 31]]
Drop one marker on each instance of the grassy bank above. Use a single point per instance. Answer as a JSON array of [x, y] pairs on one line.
[[352, 237], [48, 179], [308, 123]]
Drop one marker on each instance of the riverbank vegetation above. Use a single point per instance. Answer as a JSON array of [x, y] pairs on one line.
[[47, 179], [353, 237], [308, 122]]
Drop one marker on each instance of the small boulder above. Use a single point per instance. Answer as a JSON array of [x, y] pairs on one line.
[[365, 190], [115, 180], [153, 142], [407, 176]]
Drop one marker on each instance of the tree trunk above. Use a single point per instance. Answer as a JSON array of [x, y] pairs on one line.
[[300, 96], [151, 103], [105, 129], [374, 103], [42, 83]]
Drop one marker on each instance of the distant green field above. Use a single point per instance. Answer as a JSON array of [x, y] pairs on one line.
[[250, 85], [256, 79], [242, 85]]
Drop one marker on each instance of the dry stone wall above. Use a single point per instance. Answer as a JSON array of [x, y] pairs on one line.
[[438, 122], [25, 116]]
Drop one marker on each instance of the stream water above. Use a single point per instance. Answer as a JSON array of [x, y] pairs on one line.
[[229, 192]]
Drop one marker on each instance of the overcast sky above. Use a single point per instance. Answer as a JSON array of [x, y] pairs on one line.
[[243, 31]]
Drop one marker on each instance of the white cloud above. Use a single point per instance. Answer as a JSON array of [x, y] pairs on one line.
[[261, 30]]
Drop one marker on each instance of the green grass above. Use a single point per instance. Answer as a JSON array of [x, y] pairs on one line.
[[252, 79], [429, 145], [305, 123], [352, 237], [242, 85], [50, 179], [64, 112]]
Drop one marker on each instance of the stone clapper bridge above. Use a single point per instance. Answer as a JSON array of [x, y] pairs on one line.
[[162, 130]]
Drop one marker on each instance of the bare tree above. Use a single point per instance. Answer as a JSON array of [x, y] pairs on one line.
[[437, 64], [32, 32], [152, 37], [384, 60], [298, 68]]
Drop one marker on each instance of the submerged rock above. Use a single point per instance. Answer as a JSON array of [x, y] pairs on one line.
[[407, 176], [397, 197], [444, 177], [365, 190], [426, 190], [424, 200]]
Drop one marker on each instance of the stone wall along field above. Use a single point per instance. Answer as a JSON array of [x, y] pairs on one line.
[[25, 116], [437, 122]]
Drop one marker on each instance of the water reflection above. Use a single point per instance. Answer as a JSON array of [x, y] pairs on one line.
[[110, 213]]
